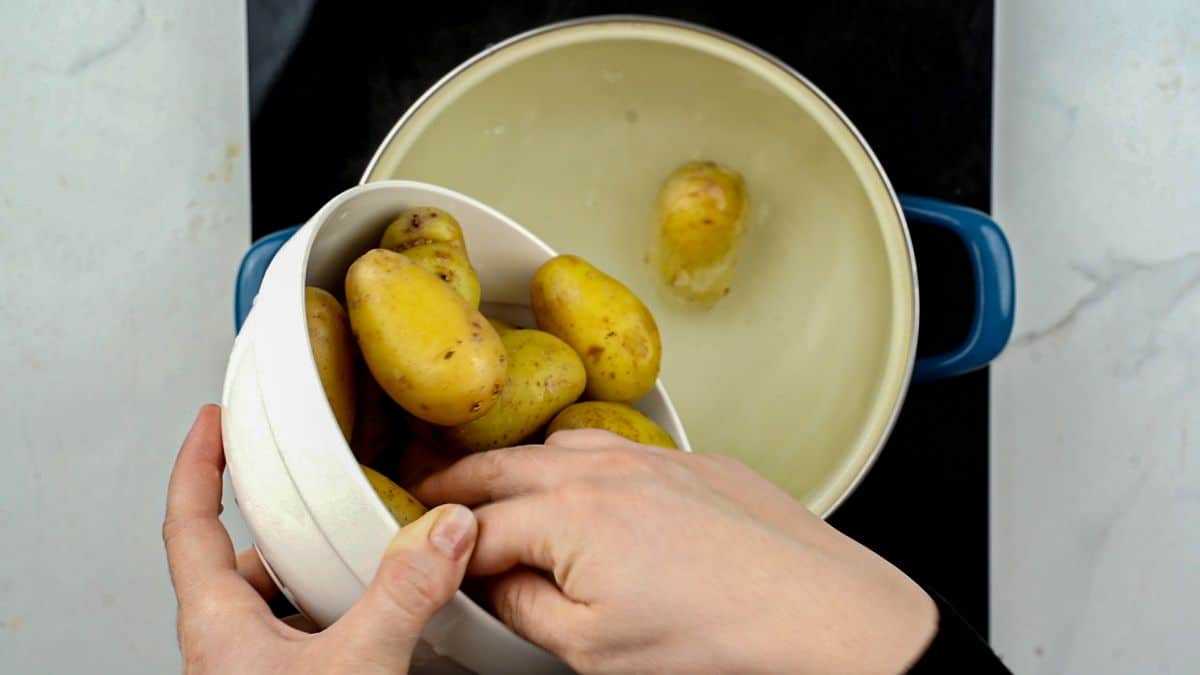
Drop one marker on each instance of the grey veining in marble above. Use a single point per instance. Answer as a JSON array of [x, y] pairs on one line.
[[1096, 405]]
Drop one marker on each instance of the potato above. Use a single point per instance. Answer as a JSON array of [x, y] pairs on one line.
[[450, 264], [544, 376], [701, 219], [434, 354], [404, 507], [333, 350], [434, 240], [618, 418], [604, 322], [419, 226]]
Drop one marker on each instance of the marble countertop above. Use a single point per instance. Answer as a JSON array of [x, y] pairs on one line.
[[123, 191], [1095, 518], [134, 114]]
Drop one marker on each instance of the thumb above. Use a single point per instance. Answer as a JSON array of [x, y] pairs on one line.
[[420, 571]]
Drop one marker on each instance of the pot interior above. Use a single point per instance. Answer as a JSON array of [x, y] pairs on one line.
[[799, 371]]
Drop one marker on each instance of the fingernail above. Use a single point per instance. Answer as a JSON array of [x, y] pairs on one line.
[[450, 534]]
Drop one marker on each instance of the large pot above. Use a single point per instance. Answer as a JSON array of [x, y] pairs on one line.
[[800, 372]]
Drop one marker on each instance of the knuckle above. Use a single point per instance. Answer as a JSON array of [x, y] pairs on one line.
[[411, 587], [171, 528], [514, 607], [576, 493], [628, 461], [490, 466]]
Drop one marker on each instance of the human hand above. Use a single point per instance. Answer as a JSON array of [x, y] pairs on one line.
[[225, 625], [663, 561]]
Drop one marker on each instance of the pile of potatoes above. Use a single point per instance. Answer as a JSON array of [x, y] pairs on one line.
[[417, 376]]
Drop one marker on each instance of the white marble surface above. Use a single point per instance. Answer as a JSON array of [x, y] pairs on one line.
[[124, 207], [1096, 405]]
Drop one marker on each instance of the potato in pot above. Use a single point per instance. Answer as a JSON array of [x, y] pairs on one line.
[[700, 223]]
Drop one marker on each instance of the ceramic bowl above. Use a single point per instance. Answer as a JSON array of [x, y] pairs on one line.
[[316, 522]]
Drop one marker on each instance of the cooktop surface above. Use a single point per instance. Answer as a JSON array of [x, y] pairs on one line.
[[914, 77]]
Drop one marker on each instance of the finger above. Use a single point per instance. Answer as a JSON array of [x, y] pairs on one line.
[[419, 573], [250, 567], [534, 607], [522, 531], [198, 547], [497, 474]]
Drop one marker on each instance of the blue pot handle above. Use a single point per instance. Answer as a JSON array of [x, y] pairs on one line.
[[251, 271], [995, 287], [987, 249]]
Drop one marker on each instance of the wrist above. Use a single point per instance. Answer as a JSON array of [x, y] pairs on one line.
[[885, 630]]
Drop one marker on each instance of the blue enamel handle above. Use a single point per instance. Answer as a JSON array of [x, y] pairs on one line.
[[987, 249], [250, 273], [995, 287]]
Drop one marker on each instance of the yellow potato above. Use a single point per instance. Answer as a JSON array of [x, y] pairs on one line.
[[604, 322], [434, 240], [701, 219], [450, 264], [404, 507], [544, 376], [419, 226], [434, 354], [333, 350], [618, 418]]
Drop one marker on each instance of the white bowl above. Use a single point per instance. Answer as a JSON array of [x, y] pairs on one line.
[[316, 522]]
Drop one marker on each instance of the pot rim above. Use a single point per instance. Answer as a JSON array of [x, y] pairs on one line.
[[664, 22]]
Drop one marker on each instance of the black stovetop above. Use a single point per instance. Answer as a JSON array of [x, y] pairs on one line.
[[915, 77]]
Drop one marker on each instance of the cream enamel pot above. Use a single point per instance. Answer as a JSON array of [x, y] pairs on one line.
[[801, 371]]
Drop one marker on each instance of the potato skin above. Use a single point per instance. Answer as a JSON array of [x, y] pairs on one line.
[[434, 354], [449, 264], [544, 376], [604, 322], [404, 507], [701, 220], [433, 239], [422, 225], [334, 351], [618, 418]]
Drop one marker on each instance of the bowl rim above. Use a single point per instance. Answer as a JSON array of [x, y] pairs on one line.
[[651, 21]]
